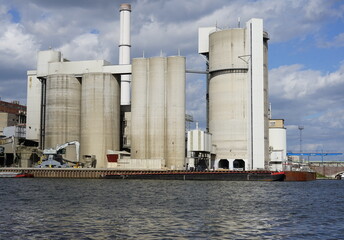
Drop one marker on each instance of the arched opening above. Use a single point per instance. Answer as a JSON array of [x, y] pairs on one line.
[[224, 164], [239, 164]]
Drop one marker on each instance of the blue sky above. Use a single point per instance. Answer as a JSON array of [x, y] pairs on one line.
[[306, 49]]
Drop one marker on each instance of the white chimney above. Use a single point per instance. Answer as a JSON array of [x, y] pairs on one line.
[[124, 50]]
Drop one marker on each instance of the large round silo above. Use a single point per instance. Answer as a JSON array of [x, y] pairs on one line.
[[63, 94], [100, 121], [139, 109], [228, 94], [175, 113], [156, 108]]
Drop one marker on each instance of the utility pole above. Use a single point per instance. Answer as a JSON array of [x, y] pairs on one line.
[[301, 128]]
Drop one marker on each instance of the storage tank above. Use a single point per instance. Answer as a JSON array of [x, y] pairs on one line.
[[175, 112], [139, 109], [278, 144], [63, 95], [228, 94], [156, 108], [100, 121]]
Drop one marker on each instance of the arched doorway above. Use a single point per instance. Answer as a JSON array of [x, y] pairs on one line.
[[224, 164], [239, 164]]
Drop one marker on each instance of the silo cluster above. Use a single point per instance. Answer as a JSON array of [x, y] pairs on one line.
[[158, 110], [85, 108], [82, 101]]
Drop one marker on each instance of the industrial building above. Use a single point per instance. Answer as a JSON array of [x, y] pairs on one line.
[[136, 110], [11, 114]]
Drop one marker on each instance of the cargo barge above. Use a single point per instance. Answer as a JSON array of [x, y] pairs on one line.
[[206, 175], [165, 175]]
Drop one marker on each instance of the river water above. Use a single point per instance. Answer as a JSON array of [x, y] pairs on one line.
[[151, 209]]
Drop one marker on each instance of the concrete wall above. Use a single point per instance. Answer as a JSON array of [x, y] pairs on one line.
[[259, 110], [3, 121], [33, 107]]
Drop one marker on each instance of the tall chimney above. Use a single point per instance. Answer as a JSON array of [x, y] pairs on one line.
[[124, 50]]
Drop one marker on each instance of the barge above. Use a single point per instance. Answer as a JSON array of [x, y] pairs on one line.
[[206, 175], [161, 175]]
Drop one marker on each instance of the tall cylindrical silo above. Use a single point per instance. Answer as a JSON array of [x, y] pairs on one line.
[[175, 113], [139, 109], [63, 95], [228, 94], [100, 121], [156, 108]]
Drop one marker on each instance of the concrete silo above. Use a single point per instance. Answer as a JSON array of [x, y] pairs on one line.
[[100, 107], [175, 113], [156, 107], [139, 108], [238, 92], [158, 110], [228, 95], [62, 112]]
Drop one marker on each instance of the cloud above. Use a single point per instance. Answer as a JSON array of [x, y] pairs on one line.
[[17, 47], [291, 82], [310, 98], [85, 47], [337, 42]]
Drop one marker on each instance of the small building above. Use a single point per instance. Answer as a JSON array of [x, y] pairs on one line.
[[11, 114]]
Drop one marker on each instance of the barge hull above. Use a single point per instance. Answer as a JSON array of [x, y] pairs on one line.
[[208, 176], [300, 176], [164, 175]]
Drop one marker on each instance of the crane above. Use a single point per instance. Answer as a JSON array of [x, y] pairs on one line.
[[54, 158]]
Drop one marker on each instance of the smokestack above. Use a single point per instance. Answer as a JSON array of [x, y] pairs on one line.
[[124, 50]]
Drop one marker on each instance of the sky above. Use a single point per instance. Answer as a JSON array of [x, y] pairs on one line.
[[306, 50]]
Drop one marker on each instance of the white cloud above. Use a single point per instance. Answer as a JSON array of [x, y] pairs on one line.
[[338, 41], [290, 82], [310, 98], [84, 47], [17, 47]]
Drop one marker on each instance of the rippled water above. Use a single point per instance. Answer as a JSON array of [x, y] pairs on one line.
[[137, 209]]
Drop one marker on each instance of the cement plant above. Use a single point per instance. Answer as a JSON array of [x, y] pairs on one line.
[[132, 116]]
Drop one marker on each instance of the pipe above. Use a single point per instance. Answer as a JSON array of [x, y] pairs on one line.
[[124, 50]]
